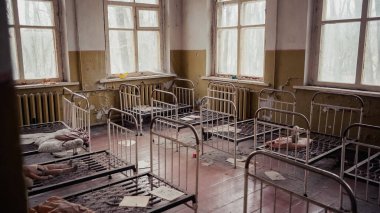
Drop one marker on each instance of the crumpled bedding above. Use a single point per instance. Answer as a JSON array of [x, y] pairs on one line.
[[59, 205], [61, 140], [287, 143]]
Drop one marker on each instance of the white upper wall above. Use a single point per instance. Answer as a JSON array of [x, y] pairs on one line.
[[90, 20], [292, 24]]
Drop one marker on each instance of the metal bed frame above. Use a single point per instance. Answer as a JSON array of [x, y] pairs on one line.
[[218, 131], [322, 132], [361, 164], [74, 116], [278, 99], [294, 193], [287, 133], [185, 95], [222, 90], [106, 198], [328, 121], [130, 101], [121, 156]]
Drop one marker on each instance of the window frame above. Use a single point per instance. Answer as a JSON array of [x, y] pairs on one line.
[[135, 15], [315, 38], [58, 43], [239, 27]]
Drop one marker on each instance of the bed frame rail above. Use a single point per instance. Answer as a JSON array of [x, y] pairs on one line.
[[360, 164], [130, 101], [219, 132], [76, 112], [332, 118], [122, 141], [172, 158], [278, 99], [292, 192], [184, 89]]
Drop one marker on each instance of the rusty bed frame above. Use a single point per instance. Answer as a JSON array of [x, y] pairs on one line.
[[120, 156], [360, 164], [166, 149], [296, 191], [76, 115]]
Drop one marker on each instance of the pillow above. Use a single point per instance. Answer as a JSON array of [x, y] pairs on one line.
[[51, 145]]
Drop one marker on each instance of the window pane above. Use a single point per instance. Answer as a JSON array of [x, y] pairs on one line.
[[342, 9], [227, 15], [371, 72], [10, 12], [149, 51], [14, 57], [148, 18], [374, 8], [252, 51], [39, 53], [36, 13], [227, 52], [339, 52], [252, 13], [122, 51], [120, 17], [147, 1]]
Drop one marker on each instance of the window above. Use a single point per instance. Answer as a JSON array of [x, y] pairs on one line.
[[240, 38], [134, 36], [347, 48], [34, 40]]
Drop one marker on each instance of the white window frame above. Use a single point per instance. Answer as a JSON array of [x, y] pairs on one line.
[[58, 45], [239, 28], [315, 39], [136, 7]]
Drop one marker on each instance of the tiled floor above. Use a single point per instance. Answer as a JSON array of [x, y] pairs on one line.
[[221, 186]]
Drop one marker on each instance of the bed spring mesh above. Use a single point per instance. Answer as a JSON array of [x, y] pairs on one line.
[[107, 198], [87, 165]]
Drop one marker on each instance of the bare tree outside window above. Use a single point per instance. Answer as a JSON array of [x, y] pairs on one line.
[[34, 40]]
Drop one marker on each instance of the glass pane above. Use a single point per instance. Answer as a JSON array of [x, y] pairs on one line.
[[14, 57], [252, 52], [371, 72], [227, 15], [252, 13], [120, 17], [374, 8], [147, 1], [122, 0], [39, 54], [149, 51], [339, 52], [36, 13], [10, 12], [148, 18], [227, 52], [122, 51], [342, 9]]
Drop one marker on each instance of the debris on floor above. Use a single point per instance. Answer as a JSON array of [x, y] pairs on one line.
[[273, 175], [143, 164], [127, 142]]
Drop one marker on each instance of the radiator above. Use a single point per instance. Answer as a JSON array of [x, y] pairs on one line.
[[146, 92], [39, 108], [244, 103], [239, 95]]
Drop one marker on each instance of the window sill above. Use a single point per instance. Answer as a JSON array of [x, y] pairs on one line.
[[251, 82], [46, 85], [133, 78], [339, 91]]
